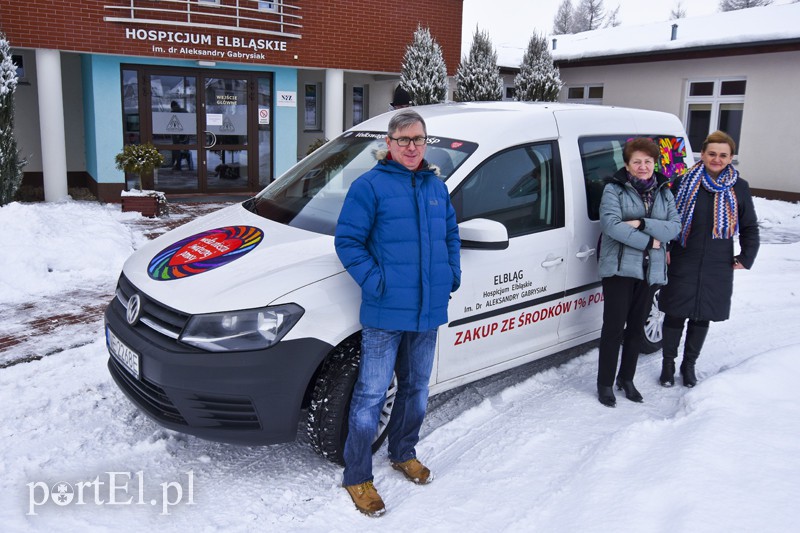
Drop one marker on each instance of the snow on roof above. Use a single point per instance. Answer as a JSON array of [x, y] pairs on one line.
[[757, 24]]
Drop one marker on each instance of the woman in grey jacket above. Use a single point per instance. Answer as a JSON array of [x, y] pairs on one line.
[[637, 217]]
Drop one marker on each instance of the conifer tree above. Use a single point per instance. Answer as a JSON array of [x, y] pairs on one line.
[[478, 76], [562, 23], [10, 162], [589, 15], [733, 5], [612, 18], [678, 12], [538, 78], [423, 73]]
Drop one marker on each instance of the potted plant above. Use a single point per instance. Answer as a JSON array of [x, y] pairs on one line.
[[141, 160]]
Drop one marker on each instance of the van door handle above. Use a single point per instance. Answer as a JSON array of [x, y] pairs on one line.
[[585, 253], [552, 262]]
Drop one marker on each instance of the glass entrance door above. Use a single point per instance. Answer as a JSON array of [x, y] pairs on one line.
[[225, 128], [174, 116], [213, 127], [203, 134]]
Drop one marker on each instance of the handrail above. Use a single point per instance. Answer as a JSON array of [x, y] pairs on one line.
[[230, 15]]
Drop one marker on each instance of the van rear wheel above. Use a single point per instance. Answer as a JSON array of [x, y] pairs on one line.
[[328, 415]]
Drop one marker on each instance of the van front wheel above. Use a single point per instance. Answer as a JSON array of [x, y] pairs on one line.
[[329, 413]]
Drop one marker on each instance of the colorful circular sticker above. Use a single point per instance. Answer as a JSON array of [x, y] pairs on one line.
[[203, 252]]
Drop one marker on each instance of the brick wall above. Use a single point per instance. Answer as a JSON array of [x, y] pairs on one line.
[[345, 34]]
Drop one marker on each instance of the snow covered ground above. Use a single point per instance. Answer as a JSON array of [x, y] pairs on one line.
[[523, 451]]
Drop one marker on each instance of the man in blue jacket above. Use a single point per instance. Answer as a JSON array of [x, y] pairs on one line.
[[397, 237]]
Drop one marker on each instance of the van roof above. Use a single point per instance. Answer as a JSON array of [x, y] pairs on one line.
[[497, 124], [470, 116]]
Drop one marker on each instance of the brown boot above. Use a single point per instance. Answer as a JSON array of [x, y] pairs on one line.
[[366, 498], [414, 471]]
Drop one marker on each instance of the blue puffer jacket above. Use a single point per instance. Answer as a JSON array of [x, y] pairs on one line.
[[397, 237], [623, 247]]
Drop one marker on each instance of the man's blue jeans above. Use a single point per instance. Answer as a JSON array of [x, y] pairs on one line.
[[410, 355]]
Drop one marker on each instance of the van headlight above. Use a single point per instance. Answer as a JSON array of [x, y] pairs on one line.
[[250, 329]]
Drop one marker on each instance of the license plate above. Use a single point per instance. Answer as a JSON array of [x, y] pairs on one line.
[[124, 355]]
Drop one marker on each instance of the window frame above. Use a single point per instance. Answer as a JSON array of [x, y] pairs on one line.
[[360, 106], [268, 7], [585, 99], [716, 101], [673, 153], [556, 206], [19, 63], [316, 106]]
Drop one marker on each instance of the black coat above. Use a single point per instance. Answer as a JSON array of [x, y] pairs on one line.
[[701, 274]]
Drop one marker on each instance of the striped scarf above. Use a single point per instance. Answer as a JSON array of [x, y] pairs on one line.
[[726, 217]]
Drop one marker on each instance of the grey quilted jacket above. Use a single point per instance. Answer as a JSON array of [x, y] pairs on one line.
[[623, 248]]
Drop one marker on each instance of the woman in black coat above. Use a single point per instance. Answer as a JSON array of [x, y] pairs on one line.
[[714, 204]]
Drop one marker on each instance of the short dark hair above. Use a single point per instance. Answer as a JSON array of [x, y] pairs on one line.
[[640, 144], [405, 118], [720, 137]]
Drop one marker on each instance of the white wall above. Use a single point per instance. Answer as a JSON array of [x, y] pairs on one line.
[[771, 128], [771, 108]]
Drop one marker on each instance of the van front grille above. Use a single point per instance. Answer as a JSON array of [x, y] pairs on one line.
[[160, 318]]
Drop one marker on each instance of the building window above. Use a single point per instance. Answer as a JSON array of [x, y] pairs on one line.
[[130, 107], [585, 94], [215, 2], [714, 105], [19, 62], [313, 111], [358, 105], [271, 7]]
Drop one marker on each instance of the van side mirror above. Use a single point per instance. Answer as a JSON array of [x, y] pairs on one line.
[[483, 234]]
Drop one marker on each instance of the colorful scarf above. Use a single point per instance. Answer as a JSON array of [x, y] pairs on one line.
[[646, 189], [726, 214]]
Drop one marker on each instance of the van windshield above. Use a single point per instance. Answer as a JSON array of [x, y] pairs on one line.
[[310, 195]]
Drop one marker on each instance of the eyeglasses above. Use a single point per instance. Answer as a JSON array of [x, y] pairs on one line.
[[405, 141]]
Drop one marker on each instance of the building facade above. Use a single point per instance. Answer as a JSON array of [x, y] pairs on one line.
[[735, 71], [232, 92]]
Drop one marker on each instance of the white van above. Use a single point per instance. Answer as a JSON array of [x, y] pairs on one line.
[[235, 324]]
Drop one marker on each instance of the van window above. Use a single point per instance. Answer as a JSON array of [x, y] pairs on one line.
[[521, 188], [601, 157]]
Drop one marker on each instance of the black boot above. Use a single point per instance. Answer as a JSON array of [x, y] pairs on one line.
[[630, 391], [669, 348], [606, 396], [695, 337]]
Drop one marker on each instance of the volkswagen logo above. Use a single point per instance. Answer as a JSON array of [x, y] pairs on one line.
[[134, 309]]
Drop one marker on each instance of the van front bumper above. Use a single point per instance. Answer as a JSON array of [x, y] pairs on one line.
[[236, 397]]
